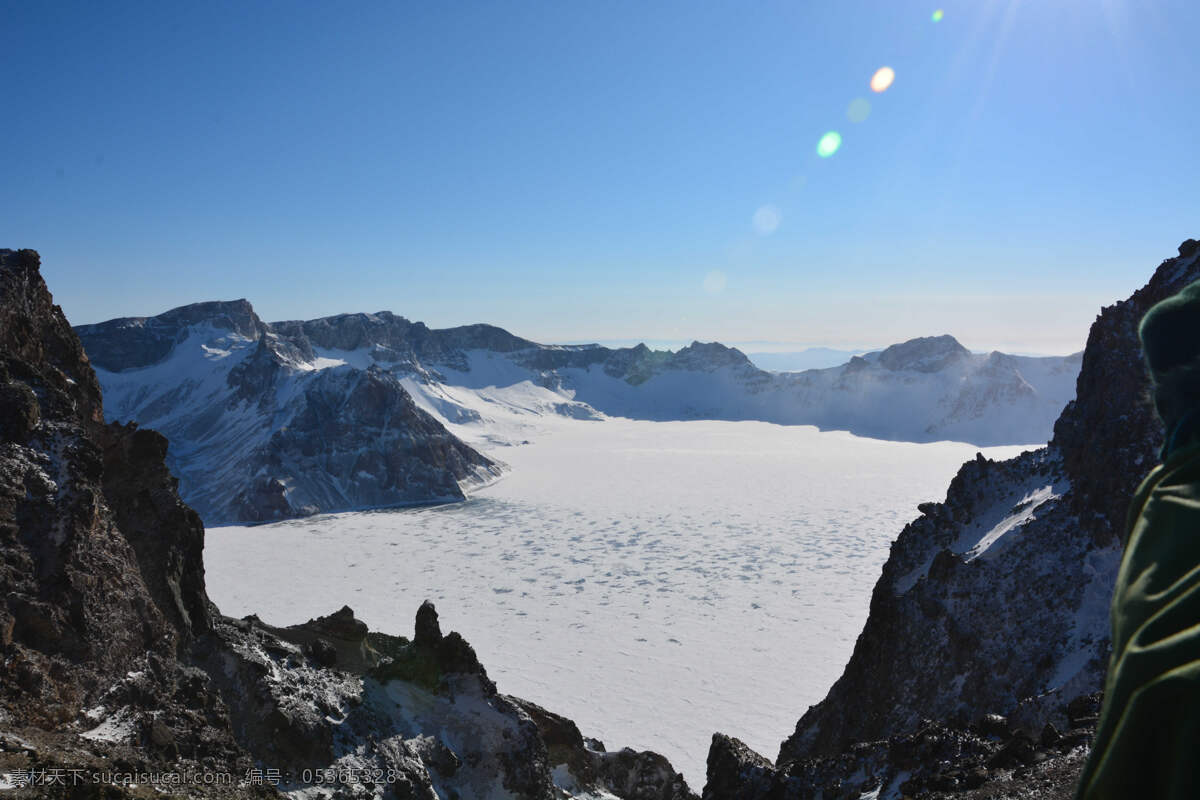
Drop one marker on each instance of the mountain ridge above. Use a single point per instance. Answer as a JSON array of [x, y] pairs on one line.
[[211, 374]]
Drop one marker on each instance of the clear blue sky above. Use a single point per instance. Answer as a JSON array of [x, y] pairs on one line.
[[592, 170]]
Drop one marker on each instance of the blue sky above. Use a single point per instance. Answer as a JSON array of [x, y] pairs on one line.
[[592, 170]]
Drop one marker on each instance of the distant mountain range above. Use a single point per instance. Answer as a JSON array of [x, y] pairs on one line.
[[274, 420], [800, 360]]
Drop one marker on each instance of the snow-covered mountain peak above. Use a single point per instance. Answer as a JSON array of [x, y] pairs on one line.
[[128, 343], [924, 354], [708, 356]]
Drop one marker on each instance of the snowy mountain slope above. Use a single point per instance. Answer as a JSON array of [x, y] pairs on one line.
[[273, 420], [994, 601], [263, 428], [923, 390]]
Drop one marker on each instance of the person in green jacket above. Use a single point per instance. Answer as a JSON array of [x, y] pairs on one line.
[[1148, 740]]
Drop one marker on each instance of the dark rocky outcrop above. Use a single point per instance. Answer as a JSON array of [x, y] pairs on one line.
[[734, 770], [356, 439], [331, 693], [1110, 437], [114, 664], [100, 564], [955, 632], [934, 760], [993, 602], [144, 498], [625, 773]]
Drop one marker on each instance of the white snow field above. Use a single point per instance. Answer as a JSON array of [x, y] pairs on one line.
[[653, 581]]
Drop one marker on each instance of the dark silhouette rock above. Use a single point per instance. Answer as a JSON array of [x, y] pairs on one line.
[[428, 633], [735, 771], [995, 725]]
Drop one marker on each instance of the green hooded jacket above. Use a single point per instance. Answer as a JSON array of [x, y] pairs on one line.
[[1148, 741]]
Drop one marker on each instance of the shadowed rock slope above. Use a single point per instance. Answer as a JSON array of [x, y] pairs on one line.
[[991, 615], [119, 678]]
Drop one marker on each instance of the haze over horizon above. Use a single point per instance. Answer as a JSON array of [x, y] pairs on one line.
[[590, 173]]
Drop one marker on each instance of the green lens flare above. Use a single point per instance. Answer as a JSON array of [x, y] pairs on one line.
[[829, 144], [937, 15]]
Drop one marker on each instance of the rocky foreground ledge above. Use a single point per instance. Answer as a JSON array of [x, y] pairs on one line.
[[323, 709], [119, 678]]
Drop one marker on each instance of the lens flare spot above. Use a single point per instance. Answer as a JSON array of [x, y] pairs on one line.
[[858, 110], [937, 15], [882, 79], [766, 220], [829, 144], [714, 282]]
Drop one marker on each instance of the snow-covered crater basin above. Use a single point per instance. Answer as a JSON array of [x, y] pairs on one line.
[[654, 581]]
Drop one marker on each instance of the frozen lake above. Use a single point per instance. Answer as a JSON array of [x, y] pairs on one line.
[[653, 581]]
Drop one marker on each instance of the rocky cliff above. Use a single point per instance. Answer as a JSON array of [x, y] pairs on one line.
[[118, 677], [103, 583], [991, 614]]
